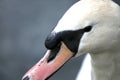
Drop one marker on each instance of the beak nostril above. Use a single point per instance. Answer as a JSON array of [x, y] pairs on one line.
[[26, 78]]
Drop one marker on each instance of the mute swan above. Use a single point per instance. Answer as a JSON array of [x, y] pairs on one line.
[[89, 26]]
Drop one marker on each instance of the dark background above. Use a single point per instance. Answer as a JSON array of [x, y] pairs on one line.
[[24, 25]]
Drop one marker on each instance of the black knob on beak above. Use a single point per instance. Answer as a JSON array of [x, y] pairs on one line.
[[52, 40]]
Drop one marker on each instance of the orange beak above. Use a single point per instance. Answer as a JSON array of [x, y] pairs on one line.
[[44, 69]]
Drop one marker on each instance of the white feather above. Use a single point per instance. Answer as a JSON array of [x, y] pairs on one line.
[[85, 72], [102, 42]]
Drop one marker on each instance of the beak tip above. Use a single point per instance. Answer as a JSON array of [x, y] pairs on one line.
[[26, 78]]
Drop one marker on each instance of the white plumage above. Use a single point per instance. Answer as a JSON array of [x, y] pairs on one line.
[[85, 71], [103, 41]]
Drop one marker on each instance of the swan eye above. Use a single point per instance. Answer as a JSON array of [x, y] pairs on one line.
[[88, 29]]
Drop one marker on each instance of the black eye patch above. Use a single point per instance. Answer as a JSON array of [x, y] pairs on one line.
[[88, 28], [72, 39], [69, 37]]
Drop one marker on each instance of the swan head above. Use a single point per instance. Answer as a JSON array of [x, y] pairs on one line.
[[87, 27]]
